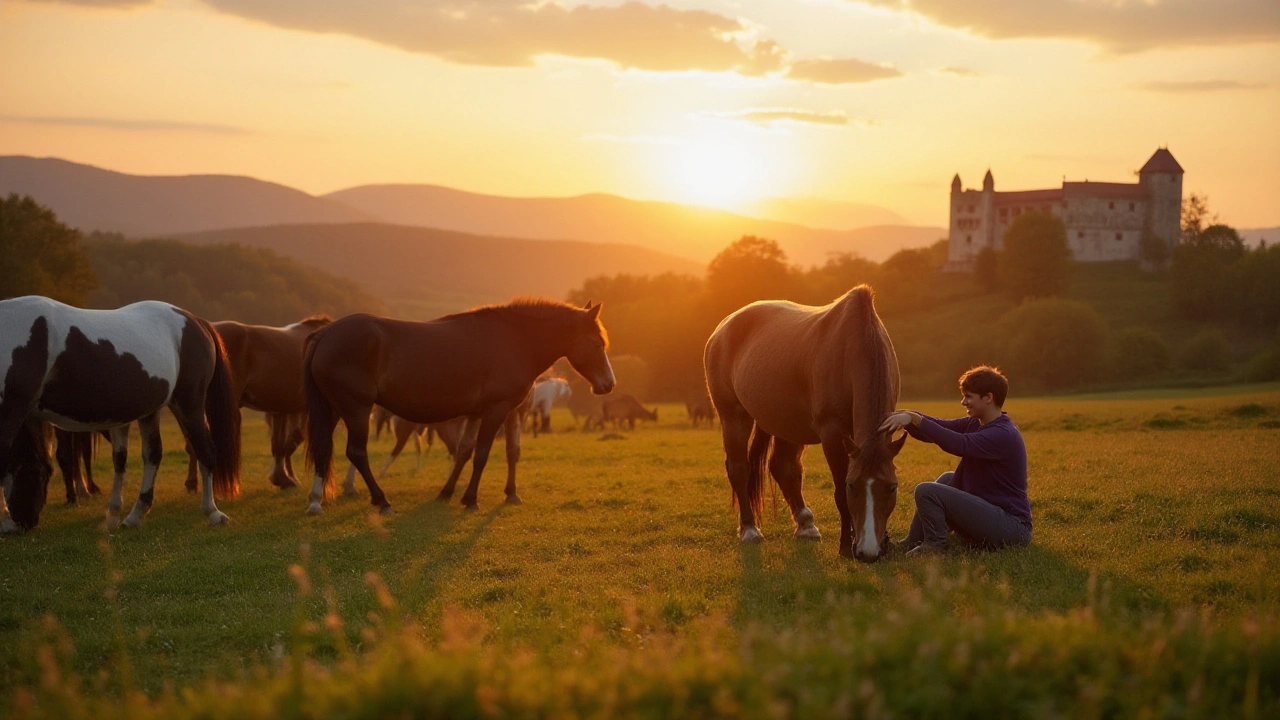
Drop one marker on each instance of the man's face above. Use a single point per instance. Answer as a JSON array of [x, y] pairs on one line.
[[976, 404]]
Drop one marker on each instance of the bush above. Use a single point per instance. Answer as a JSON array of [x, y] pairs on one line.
[[1036, 260], [1138, 353], [632, 375], [1266, 364], [1055, 343], [1207, 351]]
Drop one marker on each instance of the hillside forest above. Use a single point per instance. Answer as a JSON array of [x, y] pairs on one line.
[[1206, 311]]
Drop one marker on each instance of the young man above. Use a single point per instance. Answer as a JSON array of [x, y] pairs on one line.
[[985, 499]]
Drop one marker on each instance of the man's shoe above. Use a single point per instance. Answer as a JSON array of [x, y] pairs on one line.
[[925, 549], [899, 547]]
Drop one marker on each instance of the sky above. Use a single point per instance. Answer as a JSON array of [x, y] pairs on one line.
[[713, 102]]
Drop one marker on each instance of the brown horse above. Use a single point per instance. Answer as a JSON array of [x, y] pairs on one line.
[[478, 364], [798, 376], [266, 375]]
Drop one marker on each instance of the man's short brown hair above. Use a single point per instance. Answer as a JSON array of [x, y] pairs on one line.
[[982, 380]]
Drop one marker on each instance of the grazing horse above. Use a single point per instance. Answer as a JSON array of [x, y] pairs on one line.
[[546, 392], [798, 376], [700, 409], [90, 370], [266, 375], [478, 364], [74, 450]]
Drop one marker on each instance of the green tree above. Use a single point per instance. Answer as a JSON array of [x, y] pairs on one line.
[[41, 256], [1207, 351], [986, 269], [1138, 353], [1196, 215], [752, 268], [1055, 343], [1036, 259]]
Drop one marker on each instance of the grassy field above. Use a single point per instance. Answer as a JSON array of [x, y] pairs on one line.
[[618, 589]]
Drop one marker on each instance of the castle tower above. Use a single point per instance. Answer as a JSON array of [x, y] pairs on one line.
[[990, 238], [1161, 177]]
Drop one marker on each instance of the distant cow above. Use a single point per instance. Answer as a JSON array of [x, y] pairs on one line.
[[700, 409], [626, 408]]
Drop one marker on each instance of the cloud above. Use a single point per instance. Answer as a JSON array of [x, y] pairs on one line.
[[1196, 86], [961, 71], [122, 124], [1118, 25], [769, 116], [840, 71], [513, 33]]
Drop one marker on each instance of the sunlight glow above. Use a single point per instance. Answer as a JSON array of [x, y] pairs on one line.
[[718, 171]]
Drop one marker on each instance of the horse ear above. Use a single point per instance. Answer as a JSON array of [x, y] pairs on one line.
[[849, 446], [588, 305], [895, 447], [593, 311]]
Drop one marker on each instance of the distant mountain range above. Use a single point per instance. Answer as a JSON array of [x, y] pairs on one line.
[[152, 206]]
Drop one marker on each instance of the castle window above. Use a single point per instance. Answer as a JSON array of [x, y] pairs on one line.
[[968, 239], [1119, 237], [1111, 206], [1080, 234], [1004, 212], [1130, 207]]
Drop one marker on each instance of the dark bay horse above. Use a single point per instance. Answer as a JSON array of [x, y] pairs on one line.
[[266, 375], [478, 364], [797, 376], [90, 370]]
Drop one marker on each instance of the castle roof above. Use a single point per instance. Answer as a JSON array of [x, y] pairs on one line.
[[1107, 190], [1162, 162]]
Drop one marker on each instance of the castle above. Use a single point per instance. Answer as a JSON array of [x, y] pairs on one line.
[[1104, 221]]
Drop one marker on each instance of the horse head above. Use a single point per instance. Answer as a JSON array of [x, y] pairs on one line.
[[871, 487], [587, 353], [31, 469]]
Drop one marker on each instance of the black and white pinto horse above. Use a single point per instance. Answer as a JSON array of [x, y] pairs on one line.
[[90, 370]]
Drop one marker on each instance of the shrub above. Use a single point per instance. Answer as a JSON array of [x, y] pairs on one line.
[[632, 375], [1055, 343], [1266, 364], [1207, 351], [1138, 353], [1036, 260]]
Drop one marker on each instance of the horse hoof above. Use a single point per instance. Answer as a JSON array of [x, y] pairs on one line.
[[470, 507], [750, 535], [513, 499], [218, 519], [191, 489], [846, 551], [350, 492], [71, 503], [314, 508], [808, 532], [8, 527], [386, 511], [129, 523]]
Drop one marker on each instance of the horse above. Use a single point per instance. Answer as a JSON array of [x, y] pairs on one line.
[[546, 391], [700, 409], [76, 450], [625, 408], [800, 375], [90, 370], [479, 364], [266, 375]]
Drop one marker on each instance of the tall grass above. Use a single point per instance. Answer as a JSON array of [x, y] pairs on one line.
[[618, 588]]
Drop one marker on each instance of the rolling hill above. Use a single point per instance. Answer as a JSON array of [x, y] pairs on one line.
[[697, 233], [91, 198], [424, 272]]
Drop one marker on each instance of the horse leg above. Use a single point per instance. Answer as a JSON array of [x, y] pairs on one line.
[[349, 482], [737, 436], [149, 429], [292, 442], [191, 418], [838, 461], [403, 430], [193, 474], [84, 449], [512, 428], [418, 432], [466, 446], [67, 462], [787, 470], [119, 456], [280, 451], [321, 426], [488, 430], [358, 454]]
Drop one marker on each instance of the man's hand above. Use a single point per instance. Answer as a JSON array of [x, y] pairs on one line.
[[898, 420]]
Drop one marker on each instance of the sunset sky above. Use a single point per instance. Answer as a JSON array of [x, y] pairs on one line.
[[713, 102]]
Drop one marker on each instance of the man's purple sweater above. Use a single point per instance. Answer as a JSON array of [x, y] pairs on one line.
[[993, 459]]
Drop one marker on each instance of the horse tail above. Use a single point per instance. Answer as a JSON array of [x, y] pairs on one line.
[[222, 411], [320, 418], [757, 455]]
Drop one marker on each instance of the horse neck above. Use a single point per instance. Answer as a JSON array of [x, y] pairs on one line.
[[548, 340], [873, 387]]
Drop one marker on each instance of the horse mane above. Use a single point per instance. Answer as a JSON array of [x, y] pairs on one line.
[[542, 308], [877, 394], [317, 320]]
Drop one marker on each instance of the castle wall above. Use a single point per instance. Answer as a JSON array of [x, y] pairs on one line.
[[1103, 229]]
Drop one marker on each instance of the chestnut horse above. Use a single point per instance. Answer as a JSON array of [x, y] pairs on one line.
[[797, 376], [478, 364], [266, 375], [89, 370]]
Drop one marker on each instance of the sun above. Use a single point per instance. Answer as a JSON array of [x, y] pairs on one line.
[[718, 171]]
